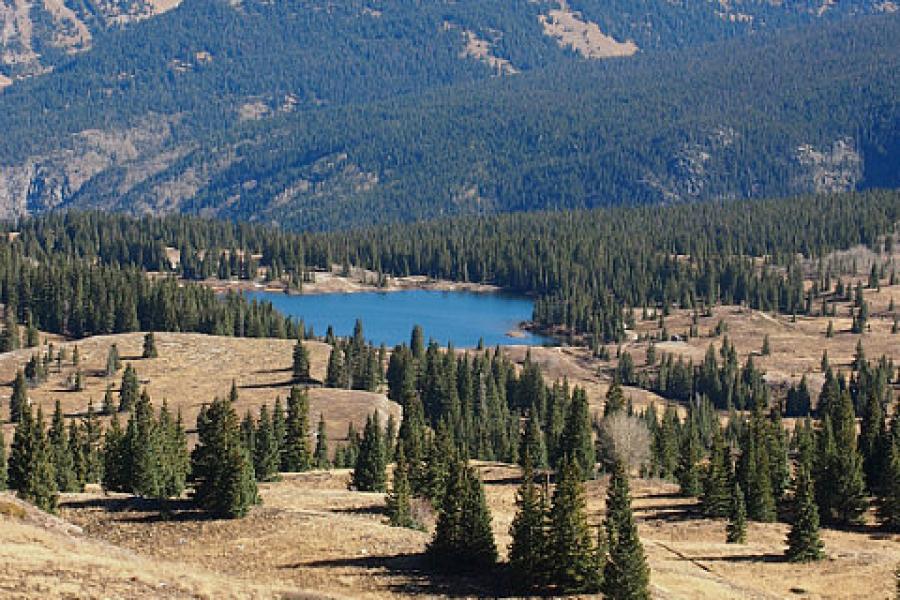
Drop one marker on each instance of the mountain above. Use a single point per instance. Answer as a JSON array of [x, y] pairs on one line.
[[312, 114]]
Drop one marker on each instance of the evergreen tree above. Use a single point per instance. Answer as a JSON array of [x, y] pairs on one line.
[[336, 371], [130, 390], [688, 461], [113, 362], [3, 464], [9, 337], [754, 471], [149, 350], [398, 499], [626, 575], [528, 550], [844, 482], [266, 456], [369, 471], [79, 458], [577, 441], [300, 362], [574, 564], [736, 530], [220, 465], [615, 398], [108, 406], [531, 446], [279, 428], [889, 498], [295, 455], [803, 540], [115, 457], [61, 455], [320, 456], [716, 499], [92, 435], [31, 472], [766, 349], [18, 401], [462, 537]]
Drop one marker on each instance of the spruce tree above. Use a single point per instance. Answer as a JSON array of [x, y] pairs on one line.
[[462, 537], [130, 390], [61, 455], [716, 498], [577, 440], [688, 473], [266, 456], [31, 472], [3, 463], [615, 398], [320, 456], [108, 406], [300, 362], [736, 530], [531, 446], [149, 350], [18, 401], [115, 456], [574, 565], [295, 455], [336, 371], [398, 499], [369, 471], [803, 540], [113, 361], [627, 575], [79, 458], [845, 473], [220, 465], [279, 427], [528, 551]]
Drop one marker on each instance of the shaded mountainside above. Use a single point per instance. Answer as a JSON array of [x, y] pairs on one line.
[[317, 116]]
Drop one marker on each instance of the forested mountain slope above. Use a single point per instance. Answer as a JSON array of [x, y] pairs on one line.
[[318, 116]]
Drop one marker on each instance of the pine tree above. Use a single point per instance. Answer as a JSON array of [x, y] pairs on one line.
[[93, 433], [31, 471], [18, 401], [626, 574], [300, 362], [665, 445], [220, 465], [574, 565], [150, 346], [108, 407], [736, 530], [369, 471], [688, 461], [115, 457], [113, 362], [889, 498], [462, 537], [716, 499], [266, 456], [803, 540], [279, 428], [61, 455], [577, 440], [320, 456], [295, 455], [3, 464], [615, 398], [79, 458], [398, 499], [531, 445], [845, 473], [528, 551], [9, 337], [766, 349], [336, 372], [130, 390]]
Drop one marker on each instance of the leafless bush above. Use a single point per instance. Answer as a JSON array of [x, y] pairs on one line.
[[625, 437]]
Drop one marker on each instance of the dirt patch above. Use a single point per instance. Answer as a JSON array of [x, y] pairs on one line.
[[584, 37]]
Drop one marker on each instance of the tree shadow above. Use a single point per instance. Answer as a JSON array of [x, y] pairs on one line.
[[421, 577], [375, 510], [135, 509], [742, 558]]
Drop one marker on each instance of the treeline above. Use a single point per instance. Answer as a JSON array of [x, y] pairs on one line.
[[78, 298]]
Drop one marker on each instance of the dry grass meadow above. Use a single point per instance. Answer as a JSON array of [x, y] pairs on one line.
[[312, 538]]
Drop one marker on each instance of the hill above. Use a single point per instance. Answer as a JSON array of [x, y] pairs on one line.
[[398, 114]]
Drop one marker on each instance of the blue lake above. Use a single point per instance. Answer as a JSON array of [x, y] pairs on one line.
[[388, 317]]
